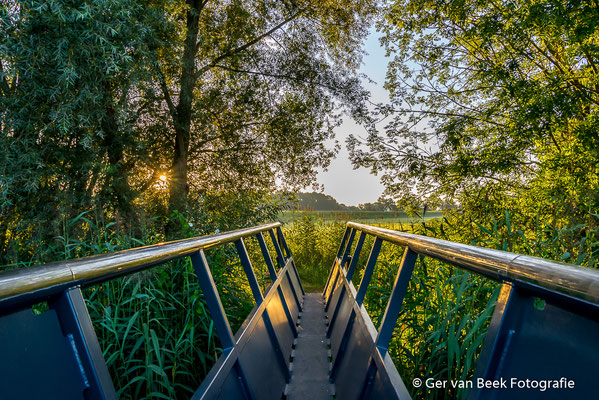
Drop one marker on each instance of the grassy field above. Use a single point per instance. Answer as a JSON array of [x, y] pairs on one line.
[[367, 217]]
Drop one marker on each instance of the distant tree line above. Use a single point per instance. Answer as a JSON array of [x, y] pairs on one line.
[[315, 201]]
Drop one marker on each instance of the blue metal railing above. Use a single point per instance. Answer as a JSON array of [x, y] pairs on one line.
[[524, 341], [57, 355], [557, 343]]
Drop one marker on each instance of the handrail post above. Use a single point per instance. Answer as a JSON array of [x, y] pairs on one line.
[[266, 254], [368, 270], [249, 271], [355, 256], [283, 241], [350, 241], [400, 287], [280, 257], [219, 317], [339, 252], [290, 256]]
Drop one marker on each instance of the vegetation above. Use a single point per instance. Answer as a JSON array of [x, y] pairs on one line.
[[129, 109], [128, 122], [493, 106], [395, 218]]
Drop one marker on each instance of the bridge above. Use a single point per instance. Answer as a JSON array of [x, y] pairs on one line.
[[298, 345]]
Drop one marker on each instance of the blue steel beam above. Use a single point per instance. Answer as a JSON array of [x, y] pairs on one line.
[[289, 255], [271, 268], [343, 240], [341, 271], [217, 312], [350, 241], [355, 256], [275, 243], [339, 252], [368, 270], [249, 271], [400, 288], [283, 242], [75, 321]]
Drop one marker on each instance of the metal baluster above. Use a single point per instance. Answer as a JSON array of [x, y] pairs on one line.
[[249, 271], [75, 320], [394, 305], [283, 241], [280, 257], [217, 312], [290, 255], [266, 254], [348, 249], [356, 255], [368, 270], [339, 252]]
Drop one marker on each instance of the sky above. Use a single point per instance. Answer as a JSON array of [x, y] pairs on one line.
[[347, 185]]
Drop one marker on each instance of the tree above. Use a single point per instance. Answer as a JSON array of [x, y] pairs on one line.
[[490, 101], [252, 90], [315, 201], [222, 99], [65, 69]]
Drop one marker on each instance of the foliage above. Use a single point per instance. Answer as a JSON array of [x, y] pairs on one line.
[[314, 246], [252, 91], [156, 334], [63, 123], [317, 202], [492, 104], [121, 108]]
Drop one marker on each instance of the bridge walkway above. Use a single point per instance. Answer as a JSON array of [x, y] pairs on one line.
[[311, 361]]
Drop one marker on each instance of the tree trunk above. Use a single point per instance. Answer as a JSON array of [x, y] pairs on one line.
[[179, 187]]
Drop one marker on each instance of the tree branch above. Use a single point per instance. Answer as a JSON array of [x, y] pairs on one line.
[[246, 45], [165, 92]]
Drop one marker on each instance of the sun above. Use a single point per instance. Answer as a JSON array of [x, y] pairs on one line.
[[162, 178]]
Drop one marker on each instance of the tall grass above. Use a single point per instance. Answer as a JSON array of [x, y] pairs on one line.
[[314, 245]]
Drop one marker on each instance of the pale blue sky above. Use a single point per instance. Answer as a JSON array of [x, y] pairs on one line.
[[347, 185]]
